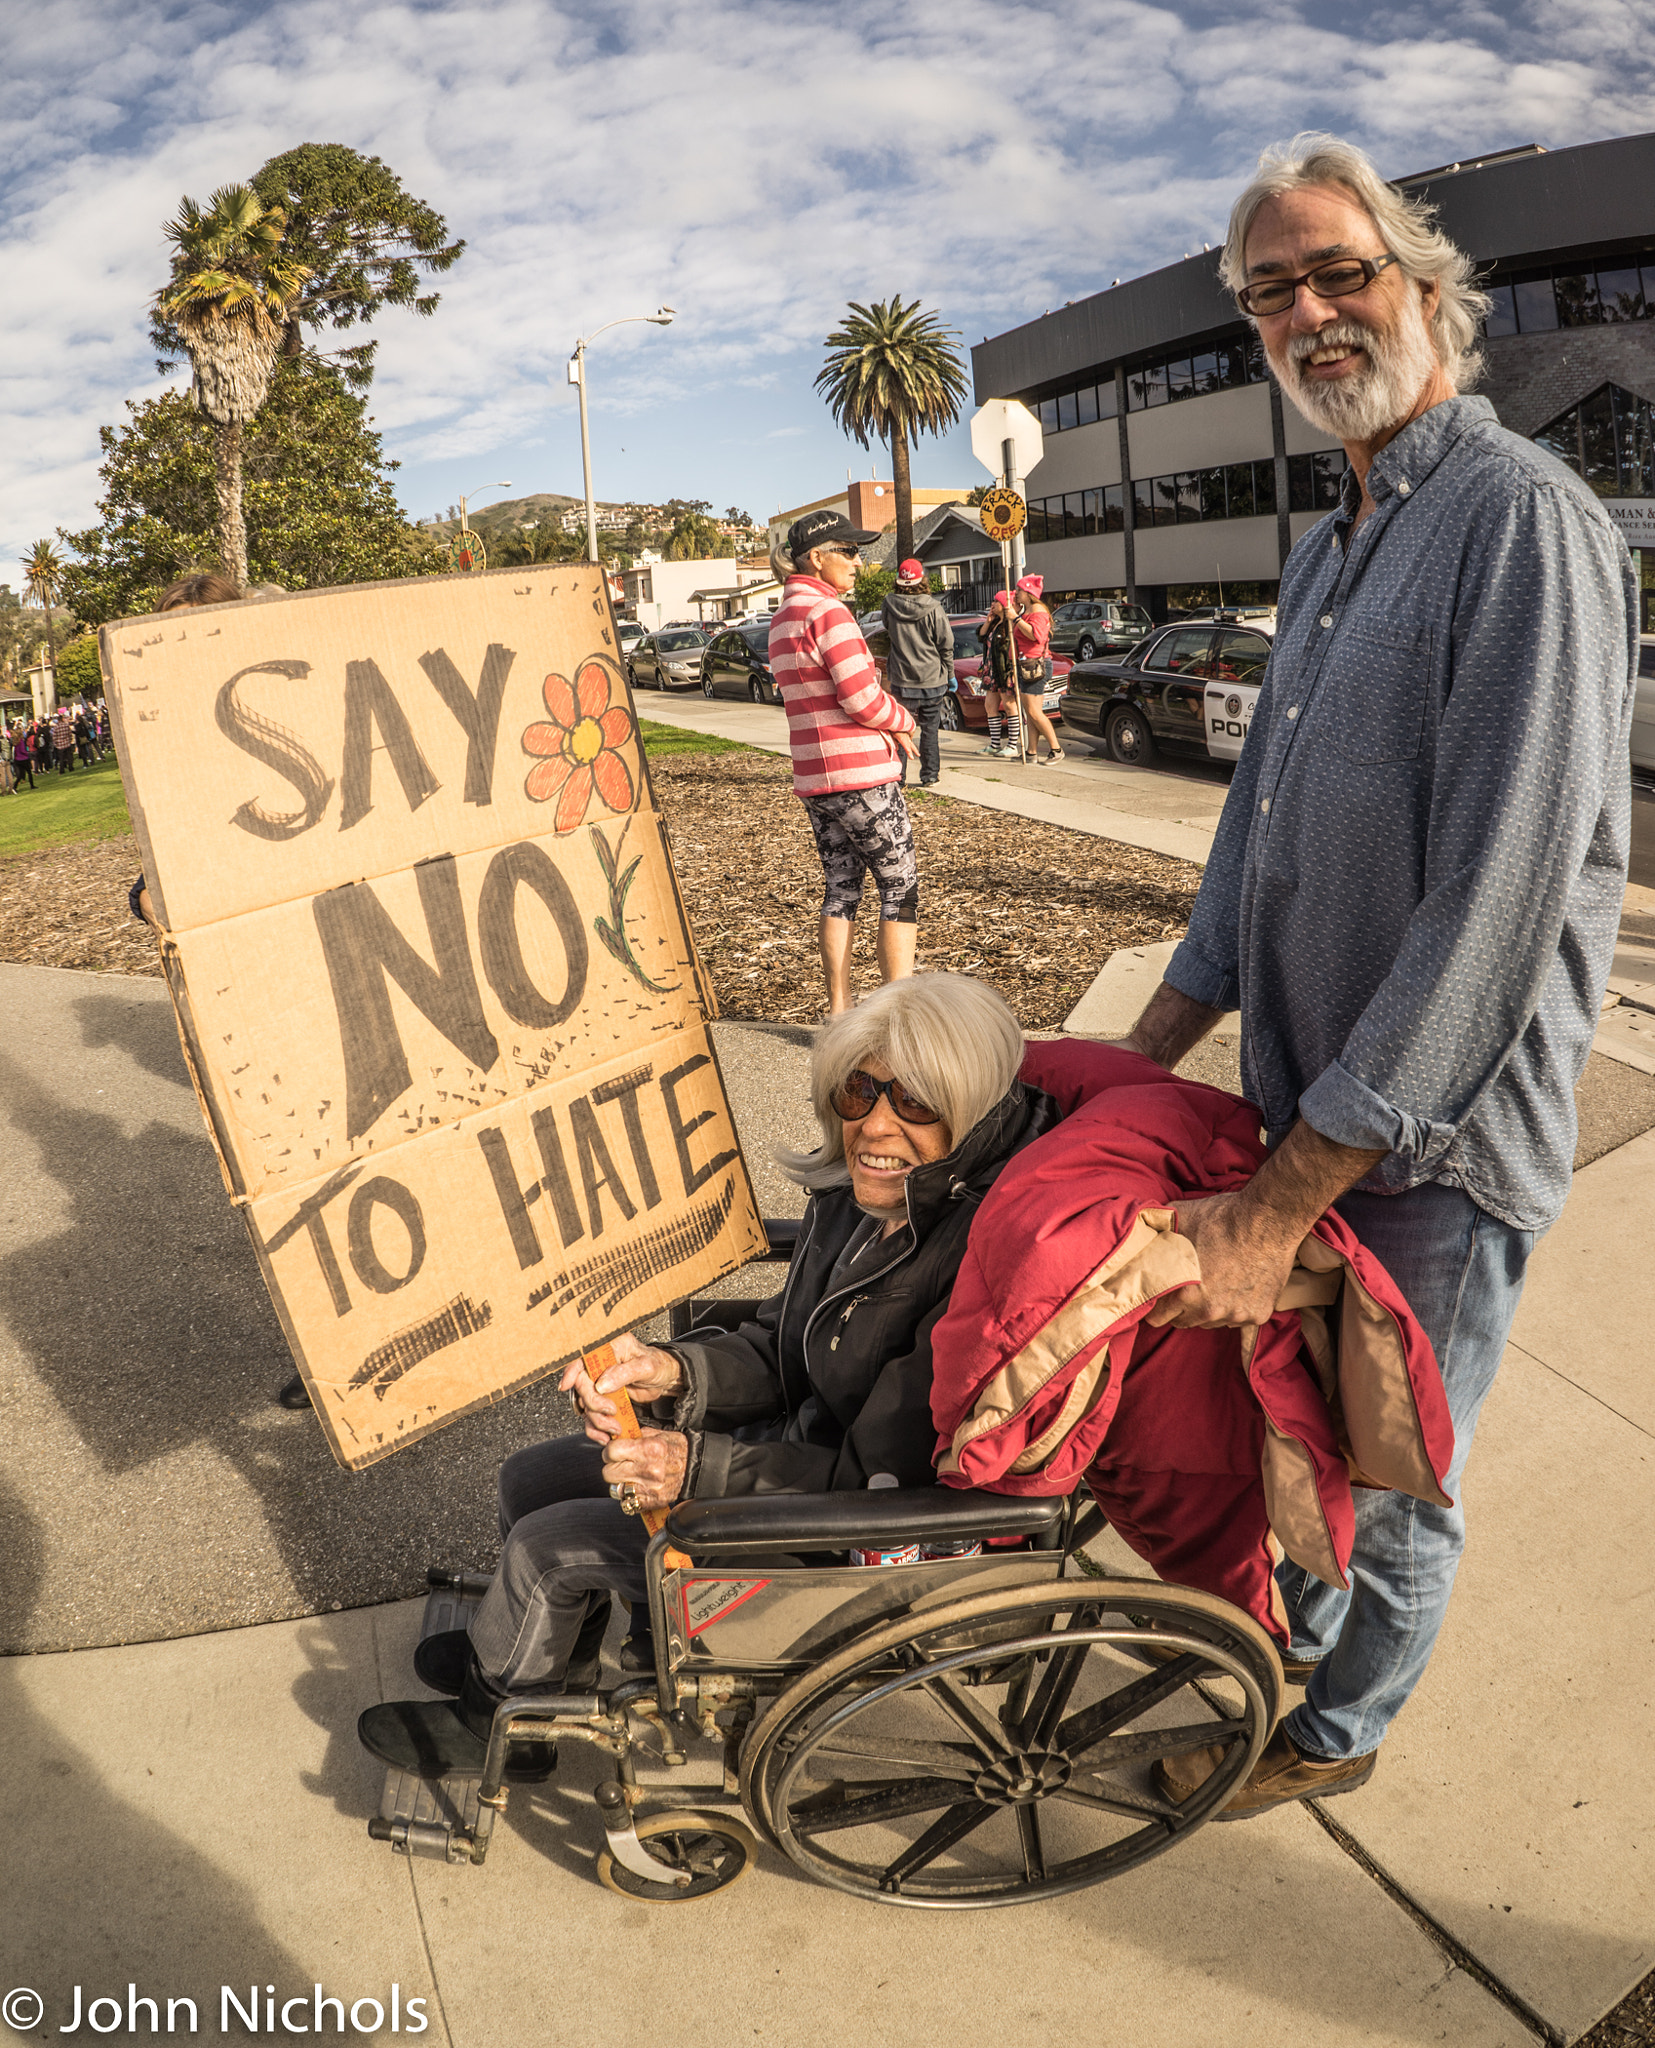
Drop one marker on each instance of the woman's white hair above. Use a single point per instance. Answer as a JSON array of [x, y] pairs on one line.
[[1406, 226], [948, 1039]]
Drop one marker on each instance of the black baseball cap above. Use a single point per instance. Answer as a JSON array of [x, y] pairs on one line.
[[821, 529]]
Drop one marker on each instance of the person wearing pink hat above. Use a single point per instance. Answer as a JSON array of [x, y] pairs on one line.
[[919, 667], [999, 681], [1033, 632]]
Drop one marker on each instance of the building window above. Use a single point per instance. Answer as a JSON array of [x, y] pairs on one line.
[[1082, 407], [1609, 439], [1313, 480], [1578, 294], [1221, 368]]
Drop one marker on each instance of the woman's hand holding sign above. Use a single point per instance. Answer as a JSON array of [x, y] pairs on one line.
[[641, 1368], [652, 1465]]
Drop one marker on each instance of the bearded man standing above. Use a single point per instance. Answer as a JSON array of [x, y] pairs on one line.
[[1416, 884]]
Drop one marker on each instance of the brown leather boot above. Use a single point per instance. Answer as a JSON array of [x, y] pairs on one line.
[[1280, 1776]]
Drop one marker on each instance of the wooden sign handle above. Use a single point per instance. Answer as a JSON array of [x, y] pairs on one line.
[[627, 1425]]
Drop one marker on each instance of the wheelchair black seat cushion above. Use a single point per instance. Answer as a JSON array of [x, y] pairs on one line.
[[836, 1521]]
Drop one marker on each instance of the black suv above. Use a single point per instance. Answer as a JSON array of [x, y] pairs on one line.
[[736, 664], [1098, 625]]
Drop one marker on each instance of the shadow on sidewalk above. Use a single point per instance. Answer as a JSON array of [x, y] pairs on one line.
[[145, 1319], [97, 1892]]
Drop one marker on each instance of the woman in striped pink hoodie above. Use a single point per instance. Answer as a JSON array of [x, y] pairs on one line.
[[847, 735]]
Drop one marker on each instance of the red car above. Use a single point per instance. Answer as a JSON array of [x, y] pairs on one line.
[[963, 709]]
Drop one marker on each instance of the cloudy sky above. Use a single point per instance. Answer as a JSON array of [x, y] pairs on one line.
[[755, 163]]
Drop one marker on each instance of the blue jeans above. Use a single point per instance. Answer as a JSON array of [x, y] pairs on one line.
[[1461, 1272]]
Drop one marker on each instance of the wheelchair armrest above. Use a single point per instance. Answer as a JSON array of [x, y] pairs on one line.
[[783, 1233], [881, 1518]]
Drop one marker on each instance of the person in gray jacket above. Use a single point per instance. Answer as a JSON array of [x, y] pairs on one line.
[[827, 1388], [920, 667]]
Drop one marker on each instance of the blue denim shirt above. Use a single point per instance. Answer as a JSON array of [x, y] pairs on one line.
[[1417, 879]]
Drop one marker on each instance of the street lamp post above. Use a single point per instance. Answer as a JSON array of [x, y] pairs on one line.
[[462, 553], [661, 317], [505, 486]]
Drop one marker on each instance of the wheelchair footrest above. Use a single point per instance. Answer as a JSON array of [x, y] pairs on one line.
[[453, 1603], [434, 1817]]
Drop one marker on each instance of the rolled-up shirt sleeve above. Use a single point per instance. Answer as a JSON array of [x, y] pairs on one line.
[[1518, 836]]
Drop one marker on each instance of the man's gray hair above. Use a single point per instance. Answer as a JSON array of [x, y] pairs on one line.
[[948, 1039], [1406, 226]]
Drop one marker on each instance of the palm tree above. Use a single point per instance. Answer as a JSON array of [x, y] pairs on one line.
[[43, 570], [228, 296], [892, 372]]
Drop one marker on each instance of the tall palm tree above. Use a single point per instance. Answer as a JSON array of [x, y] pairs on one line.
[[43, 570], [228, 296], [892, 372]]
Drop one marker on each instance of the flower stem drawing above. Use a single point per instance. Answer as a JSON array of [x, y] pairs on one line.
[[613, 934]]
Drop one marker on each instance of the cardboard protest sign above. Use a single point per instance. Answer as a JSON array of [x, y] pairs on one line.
[[434, 980]]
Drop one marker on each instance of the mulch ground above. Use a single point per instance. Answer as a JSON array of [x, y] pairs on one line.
[[66, 907], [1032, 909]]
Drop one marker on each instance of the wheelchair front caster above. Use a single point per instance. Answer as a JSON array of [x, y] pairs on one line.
[[710, 1849]]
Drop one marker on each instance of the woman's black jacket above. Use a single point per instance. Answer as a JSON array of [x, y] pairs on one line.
[[823, 1389]]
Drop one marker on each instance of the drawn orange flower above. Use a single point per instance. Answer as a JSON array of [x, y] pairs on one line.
[[579, 749]]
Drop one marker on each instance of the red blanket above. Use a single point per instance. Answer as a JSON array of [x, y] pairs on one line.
[[1210, 1455]]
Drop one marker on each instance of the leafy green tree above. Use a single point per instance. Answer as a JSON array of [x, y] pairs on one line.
[[21, 633], [695, 538], [232, 283], [873, 585], [893, 372], [79, 672], [320, 505], [364, 239], [364, 242]]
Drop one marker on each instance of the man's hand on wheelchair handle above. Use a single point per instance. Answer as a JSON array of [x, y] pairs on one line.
[[645, 1372], [653, 1465], [1247, 1241]]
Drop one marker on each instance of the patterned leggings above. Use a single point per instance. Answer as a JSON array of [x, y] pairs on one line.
[[858, 830]]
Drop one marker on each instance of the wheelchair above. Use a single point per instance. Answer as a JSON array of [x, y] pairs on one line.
[[969, 1728]]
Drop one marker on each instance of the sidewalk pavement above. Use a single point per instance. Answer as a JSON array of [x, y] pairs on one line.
[[189, 1812]]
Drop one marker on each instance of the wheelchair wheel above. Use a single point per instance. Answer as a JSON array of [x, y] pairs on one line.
[[715, 1848], [998, 1750]]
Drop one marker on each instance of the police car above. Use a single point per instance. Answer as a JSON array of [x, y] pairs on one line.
[[1189, 688]]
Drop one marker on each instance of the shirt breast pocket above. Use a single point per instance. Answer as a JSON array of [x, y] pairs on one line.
[[1376, 686]]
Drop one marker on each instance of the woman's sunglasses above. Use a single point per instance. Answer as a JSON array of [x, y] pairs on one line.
[[856, 1095]]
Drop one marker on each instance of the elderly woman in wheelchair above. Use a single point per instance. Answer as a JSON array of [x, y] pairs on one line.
[[827, 1389], [962, 1727]]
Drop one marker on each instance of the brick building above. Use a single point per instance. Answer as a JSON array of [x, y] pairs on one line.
[[1172, 462]]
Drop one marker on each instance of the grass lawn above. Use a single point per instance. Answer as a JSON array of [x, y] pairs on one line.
[[90, 804], [61, 809], [660, 741]]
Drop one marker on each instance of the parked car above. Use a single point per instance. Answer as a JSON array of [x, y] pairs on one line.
[[963, 709], [736, 663], [1089, 626], [630, 633], [669, 659], [1188, 688]]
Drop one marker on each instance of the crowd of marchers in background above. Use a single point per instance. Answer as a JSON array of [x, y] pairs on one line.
[[36, 746]]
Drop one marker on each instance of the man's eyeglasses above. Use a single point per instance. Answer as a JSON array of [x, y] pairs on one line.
[[1339, 279], [856, 1095]]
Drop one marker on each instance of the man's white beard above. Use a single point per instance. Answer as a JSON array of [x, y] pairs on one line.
[[1401, 362]]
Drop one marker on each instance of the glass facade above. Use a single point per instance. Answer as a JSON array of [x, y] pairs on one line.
[[1238, 360], [1240, 490], [1609, 439], [1313, 480], [1586, 292], [1076, 512], [1082, 407]]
